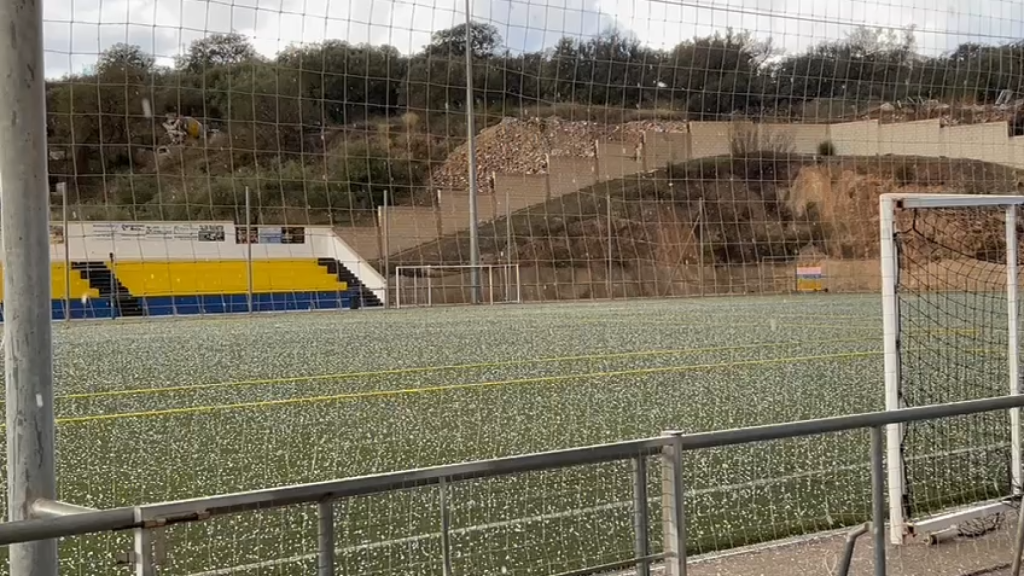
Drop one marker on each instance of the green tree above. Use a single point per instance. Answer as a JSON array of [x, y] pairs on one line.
[[484, 41], [217, 50]]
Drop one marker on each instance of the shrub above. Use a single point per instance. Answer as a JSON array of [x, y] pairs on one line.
[[746, 138], [826, 148]]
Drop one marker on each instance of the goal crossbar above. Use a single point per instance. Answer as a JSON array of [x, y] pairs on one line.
[[889, 204], [924, 200]]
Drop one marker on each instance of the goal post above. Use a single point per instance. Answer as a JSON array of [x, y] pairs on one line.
[[428, 285], [949, 279]]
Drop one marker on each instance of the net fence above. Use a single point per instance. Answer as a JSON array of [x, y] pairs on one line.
[[654, 150], [208, 158]]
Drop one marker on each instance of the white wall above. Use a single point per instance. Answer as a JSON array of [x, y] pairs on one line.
[[162, 241]]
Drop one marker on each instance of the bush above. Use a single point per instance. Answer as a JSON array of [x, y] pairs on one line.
[[746, 138], [826, 148]]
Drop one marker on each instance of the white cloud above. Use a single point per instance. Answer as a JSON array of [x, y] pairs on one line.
[[78, 30]]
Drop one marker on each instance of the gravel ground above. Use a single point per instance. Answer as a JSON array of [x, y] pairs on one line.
[[162, 410], [987, 555]]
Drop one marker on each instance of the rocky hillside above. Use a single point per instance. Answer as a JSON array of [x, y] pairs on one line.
[[761, 206]]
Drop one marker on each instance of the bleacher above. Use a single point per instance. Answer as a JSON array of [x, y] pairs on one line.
[[176, 287], [221, 286], [74, 294]]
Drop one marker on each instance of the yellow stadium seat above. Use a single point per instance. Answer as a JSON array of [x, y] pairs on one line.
[[79, 286], [178, 278]]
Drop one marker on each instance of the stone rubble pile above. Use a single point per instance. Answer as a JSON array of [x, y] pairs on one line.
[[523, 146]]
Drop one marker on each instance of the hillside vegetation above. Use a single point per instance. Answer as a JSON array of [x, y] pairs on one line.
[[762, 205], [320, 133]]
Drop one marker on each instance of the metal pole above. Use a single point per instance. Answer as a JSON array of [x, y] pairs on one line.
[[1013, 339], [700, 244], [386, 220], [680, 507], [113, 289], [878, 499], [640, 516], [325, 537], [1018, 546], [519, 286], [674, 506], [851, 542], [474, 233], [508, 244], [143, 558], [63, 187], [891, 359], [248, 250], [398, 287], [24, 225], [608, 215], [446, 545]]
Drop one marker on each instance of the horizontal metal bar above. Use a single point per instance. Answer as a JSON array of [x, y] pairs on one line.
[[843, 423], [954, 200], [937, 523], [54, 509], [63, 526], [619, 565], [187, 510], [199, 508]]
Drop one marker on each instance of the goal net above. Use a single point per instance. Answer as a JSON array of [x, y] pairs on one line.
[[424, 286], [949, 282]]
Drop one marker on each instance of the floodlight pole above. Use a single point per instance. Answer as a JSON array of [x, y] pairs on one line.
[[474, 234], [25, 229]]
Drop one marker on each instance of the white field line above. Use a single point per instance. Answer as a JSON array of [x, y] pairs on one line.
[[575, 512]]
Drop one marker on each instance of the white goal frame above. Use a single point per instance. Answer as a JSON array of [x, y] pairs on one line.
[[512, 284], [901, 528]]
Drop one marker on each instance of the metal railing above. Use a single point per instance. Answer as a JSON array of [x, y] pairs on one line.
[[56, 520]]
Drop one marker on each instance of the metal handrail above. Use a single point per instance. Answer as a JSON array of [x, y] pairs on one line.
[[202, 508]]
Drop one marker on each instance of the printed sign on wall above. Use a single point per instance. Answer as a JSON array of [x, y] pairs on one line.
[[143, 231], [810, 279], [271, 235]]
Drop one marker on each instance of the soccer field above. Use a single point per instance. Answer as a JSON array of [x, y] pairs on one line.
[[162, 410]]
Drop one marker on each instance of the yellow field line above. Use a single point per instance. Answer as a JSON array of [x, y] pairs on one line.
[[422, 369], [641, 321], [452, 387]]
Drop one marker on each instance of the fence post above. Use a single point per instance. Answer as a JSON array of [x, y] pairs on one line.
[[25, 224], [641, 520], [325, 537], [446, 544], [673, 509], [878, 499], [142, 553]]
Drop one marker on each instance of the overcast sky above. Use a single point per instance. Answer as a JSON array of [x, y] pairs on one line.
[[77, 30]]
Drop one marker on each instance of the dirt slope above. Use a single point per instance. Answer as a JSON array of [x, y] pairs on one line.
[[766, 206]]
